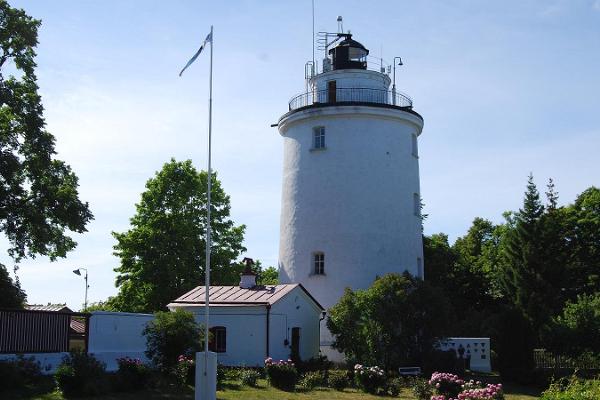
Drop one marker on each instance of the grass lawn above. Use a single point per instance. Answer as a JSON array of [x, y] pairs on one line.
[[234, 391]]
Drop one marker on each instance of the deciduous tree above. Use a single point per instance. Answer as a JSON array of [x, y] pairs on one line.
[[163, 253], [39, 202]]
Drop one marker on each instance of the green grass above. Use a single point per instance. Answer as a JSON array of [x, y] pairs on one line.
[[234, 391]]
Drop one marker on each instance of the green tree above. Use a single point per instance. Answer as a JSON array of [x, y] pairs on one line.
[[171, 334], [38, 193], [268, 276], [523, 277], [395, 321], [163, 253], [575, 330]]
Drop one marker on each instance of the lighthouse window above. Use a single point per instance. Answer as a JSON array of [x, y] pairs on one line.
[[319, 137], [417, 204], [415, 149], [319, 260]]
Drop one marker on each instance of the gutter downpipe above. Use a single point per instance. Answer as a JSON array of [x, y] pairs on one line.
[[268, 307]]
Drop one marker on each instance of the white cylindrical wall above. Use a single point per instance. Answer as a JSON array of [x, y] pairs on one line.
[[356, 200]]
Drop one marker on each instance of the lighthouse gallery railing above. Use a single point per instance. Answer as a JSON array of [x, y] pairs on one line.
[[350, 95]]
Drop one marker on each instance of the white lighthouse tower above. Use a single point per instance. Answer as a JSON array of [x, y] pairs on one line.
[[350, 198]]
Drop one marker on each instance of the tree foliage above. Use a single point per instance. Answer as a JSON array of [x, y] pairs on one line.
[[394, 322], [39, 201], [163, 253], [171, 334]]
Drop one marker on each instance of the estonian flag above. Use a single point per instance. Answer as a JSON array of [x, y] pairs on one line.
[[208, 39]]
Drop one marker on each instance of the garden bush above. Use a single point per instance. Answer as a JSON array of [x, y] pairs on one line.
[[445, 384], [311, 380], [80, 374], [393, 386], [169, 335], [281, 374], [249, 377], [573, 389], [19, 372], [338, 379], [422, 389], [185, 370], [369, 379], [132, 375]]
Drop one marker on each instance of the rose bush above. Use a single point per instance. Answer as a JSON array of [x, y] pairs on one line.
[[281, 374], [369, 379]]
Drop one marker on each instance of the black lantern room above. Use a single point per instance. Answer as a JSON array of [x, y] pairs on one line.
[[348, 54]]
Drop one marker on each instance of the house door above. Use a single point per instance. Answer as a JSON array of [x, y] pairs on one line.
[[295, 353], [331, 91]]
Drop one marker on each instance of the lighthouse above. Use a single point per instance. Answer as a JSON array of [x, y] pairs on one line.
[[350, 206]]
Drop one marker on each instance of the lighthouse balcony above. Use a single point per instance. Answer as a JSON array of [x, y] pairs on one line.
[[351, 96]]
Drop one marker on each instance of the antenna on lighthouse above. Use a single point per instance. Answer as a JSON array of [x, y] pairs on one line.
[[340, 24]]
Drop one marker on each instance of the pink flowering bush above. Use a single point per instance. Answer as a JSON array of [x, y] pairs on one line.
[[185, 370], [281, 374], [490, 392], [369, 379], [451, 387], [446, 384]]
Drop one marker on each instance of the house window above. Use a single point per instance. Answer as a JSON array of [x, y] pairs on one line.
[[218, 340], [319, 264], [319, 137], [415, 148], [417, 204]]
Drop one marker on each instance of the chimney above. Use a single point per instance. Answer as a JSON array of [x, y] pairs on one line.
[[248, 278]]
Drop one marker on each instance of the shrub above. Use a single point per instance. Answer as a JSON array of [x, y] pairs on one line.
[[80, 374], [393, 386], [185, 370], [320, 363], [132, 374], [422, 389], [369, 379], [249, 377], [338, 379], [438, 360], [281, 374], [222, 373], [170, 335], [19, 372], [448, 385], [311, 380], [573, 389], [489, 392]]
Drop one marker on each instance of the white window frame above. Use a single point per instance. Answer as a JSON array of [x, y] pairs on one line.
[[318, 138]]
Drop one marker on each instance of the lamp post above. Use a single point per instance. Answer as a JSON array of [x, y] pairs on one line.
[[78, 272], [394, 85]]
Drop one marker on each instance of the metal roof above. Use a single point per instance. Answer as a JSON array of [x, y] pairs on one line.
[[48, 307], [237, 296]]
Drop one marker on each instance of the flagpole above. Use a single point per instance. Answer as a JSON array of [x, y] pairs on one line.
[[208, 228]]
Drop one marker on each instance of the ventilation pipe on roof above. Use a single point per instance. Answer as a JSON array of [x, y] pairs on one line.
[[248, 278]]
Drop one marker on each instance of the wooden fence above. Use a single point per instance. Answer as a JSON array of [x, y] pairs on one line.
[[29, 331]]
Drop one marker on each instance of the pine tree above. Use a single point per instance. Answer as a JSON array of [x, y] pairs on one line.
[[522, 279]]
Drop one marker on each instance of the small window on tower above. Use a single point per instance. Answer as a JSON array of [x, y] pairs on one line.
[[415, 148], [319, 137], [417, 204], [319, 263]]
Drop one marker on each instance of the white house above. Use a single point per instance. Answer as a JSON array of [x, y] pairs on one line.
[[250, 323]]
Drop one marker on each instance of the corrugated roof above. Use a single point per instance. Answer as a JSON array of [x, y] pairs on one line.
[[235, 295], [48, 307], [77, 326]]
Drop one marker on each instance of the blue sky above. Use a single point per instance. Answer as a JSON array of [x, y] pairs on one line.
[[505, 88]]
